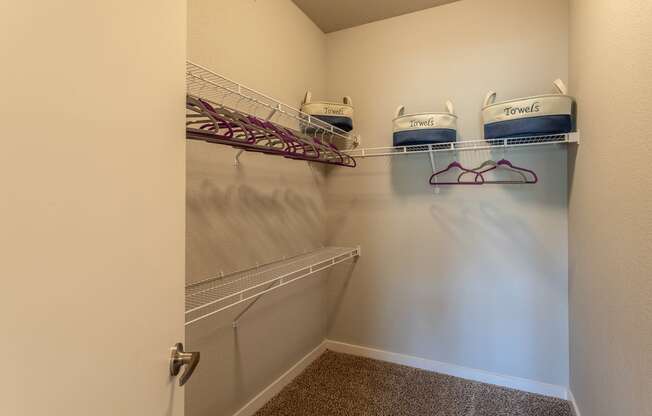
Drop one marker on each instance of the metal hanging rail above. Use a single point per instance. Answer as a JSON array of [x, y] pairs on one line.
[[467, 145], [211, 296]]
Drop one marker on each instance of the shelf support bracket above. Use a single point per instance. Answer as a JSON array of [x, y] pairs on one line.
[[271, 114], [433, 164], [236, 320], [237, 158]]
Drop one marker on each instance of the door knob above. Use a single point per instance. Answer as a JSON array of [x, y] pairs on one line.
[[179, 358]]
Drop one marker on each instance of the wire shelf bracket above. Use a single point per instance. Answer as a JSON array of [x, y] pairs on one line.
[[211, 296]]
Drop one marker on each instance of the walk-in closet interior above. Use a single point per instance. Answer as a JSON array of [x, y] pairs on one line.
[[302, 207]]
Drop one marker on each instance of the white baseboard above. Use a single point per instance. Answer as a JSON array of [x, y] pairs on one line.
[[451, 369], [273, 389], [571, 398]]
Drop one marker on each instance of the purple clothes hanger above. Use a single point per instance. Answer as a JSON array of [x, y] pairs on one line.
[[289, 142], [456, 164], [490, 165], [226, 126], [505, 162], [295, 146], [232, 124]]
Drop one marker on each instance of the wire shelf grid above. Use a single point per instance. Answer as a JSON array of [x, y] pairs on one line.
[[216, 89], [210, 296], [466, 145]]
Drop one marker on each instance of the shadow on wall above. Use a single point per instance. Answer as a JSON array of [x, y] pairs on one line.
[[269, 224], [483, 269], [340, 277], [339, 218], [218, 332], [512, 264], [237, 363], [572, 159], [519, 243]]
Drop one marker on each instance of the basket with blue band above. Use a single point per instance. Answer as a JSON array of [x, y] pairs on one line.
[[424, 128], [339, 115], [530, 116]]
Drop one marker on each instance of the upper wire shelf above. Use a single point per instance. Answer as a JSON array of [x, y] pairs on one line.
[[223, 111], [466, 145], [210, 296]]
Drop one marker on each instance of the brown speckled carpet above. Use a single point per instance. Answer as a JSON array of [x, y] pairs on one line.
[[341, 384]]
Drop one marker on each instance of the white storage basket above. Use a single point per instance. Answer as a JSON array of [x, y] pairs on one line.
[[530, 116], [339, 115], [424, 128]]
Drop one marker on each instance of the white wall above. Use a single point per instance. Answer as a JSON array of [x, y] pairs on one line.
[[473, 277], [610, 205], [266, 208]]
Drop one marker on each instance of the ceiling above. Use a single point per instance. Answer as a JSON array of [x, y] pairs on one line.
[[335, 15]]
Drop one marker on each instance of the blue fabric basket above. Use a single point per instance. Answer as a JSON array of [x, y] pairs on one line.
[[530, 116], [339, 115], [424, 128]]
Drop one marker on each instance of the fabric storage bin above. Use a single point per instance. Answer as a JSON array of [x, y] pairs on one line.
[[530, 116], [339, 115], [424, 128]]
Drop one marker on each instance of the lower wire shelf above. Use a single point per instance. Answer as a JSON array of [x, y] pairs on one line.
[[210, 296]]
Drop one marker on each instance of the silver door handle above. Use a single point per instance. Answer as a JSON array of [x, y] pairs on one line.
[[179, 358]]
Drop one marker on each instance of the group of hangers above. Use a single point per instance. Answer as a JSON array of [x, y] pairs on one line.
[[475, 176], [217, 123]]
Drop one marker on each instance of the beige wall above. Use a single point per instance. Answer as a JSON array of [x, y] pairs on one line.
[[474, 277], [92, 176], [610, 203], [265, 209]]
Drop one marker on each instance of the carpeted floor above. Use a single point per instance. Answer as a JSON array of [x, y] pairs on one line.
[[341, 384]]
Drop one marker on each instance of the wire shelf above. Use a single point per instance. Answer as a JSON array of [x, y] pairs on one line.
[[210, 296], [466, 145], [216, 89], [245, 132]]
